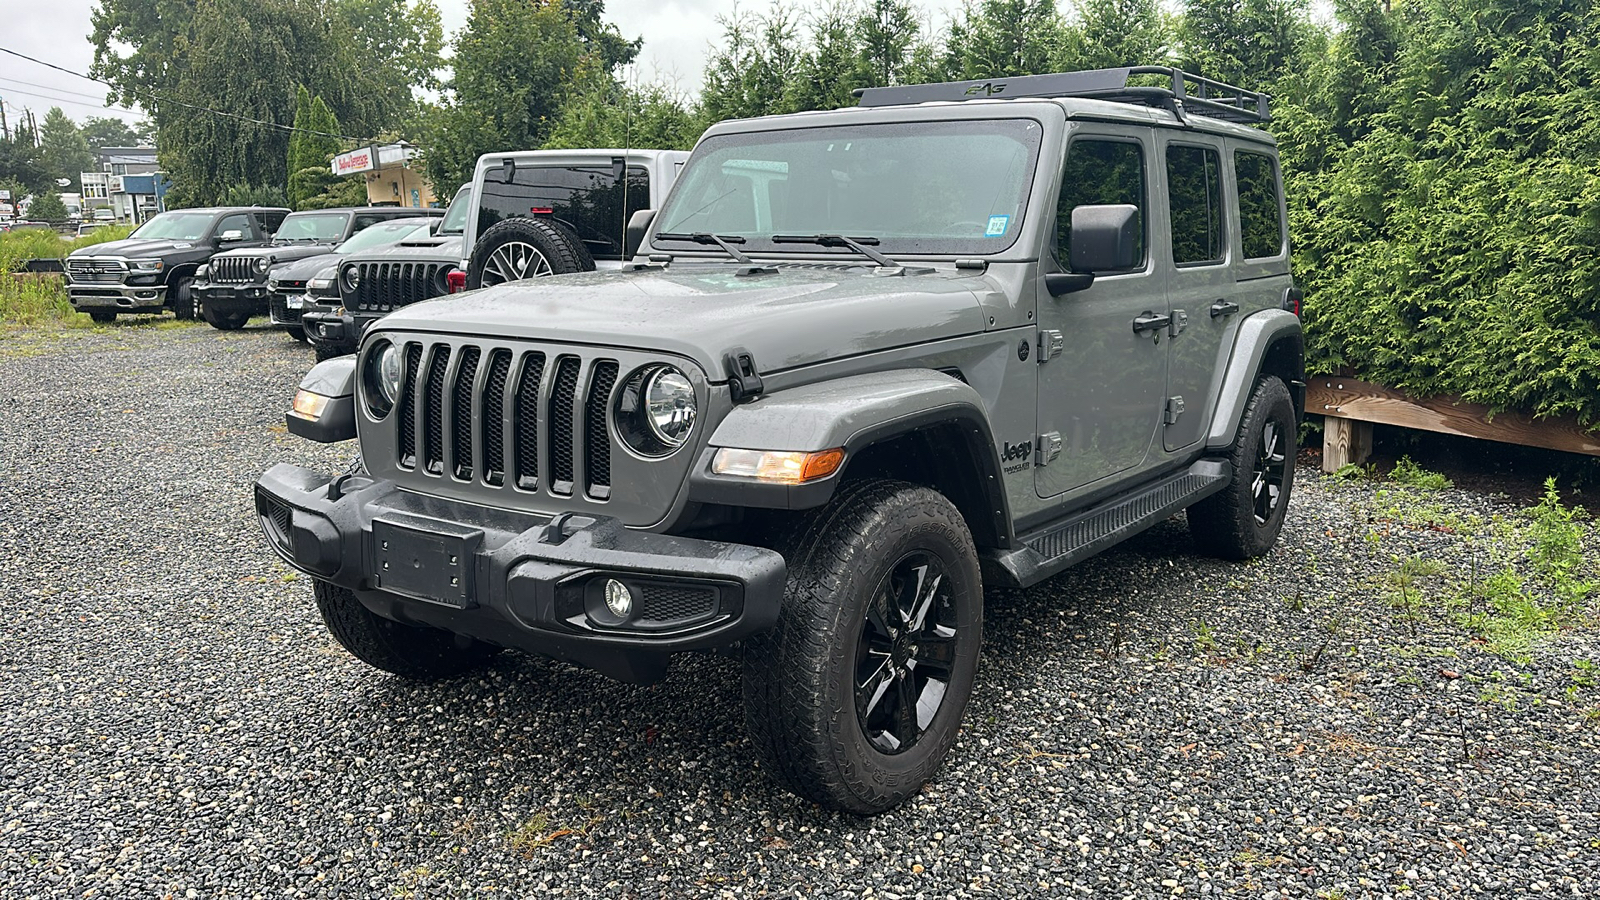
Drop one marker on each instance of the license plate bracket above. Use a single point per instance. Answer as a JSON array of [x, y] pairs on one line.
[[425, 559], [294, 302]]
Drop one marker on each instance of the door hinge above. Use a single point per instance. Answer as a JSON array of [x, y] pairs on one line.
[[1174, 410], [1046, 448], [1180, 321], [1050, 344]]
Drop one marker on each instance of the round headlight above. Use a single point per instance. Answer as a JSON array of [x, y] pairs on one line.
[[655, 410], [352, 277], [385, 370], [262, 263], [669, 405]]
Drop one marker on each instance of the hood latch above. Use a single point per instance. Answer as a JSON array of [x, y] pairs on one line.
[[744, 380]]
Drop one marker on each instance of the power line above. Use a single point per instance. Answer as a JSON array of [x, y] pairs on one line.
[[55, 98], [164, 99], [58, 90]]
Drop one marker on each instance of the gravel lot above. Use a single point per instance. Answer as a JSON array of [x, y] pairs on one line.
[[175, 720]]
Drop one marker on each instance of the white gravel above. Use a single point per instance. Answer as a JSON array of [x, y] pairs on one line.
[[174, 720]]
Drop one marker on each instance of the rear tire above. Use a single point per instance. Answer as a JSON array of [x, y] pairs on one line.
[[410, 651], [855, 698], [521, 247], [183, 297], [1244, 519], [103, 317]]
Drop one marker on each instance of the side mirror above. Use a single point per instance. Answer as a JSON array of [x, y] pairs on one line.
[[231, 236], [1104, 239], [638, 226]]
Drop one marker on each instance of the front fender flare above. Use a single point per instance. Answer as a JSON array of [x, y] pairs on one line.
[[334, 379], [853, 413]]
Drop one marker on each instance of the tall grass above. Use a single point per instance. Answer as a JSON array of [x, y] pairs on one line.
[[28, 301], [17, 247]]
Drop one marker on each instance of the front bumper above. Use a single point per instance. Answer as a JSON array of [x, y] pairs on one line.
[[228, 299], [338, 331], [287, 307], [519, 580], [118, 297]]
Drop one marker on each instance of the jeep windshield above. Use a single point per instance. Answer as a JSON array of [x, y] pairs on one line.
[[384, 234], [175, 226], [314, 227], [918, 187]]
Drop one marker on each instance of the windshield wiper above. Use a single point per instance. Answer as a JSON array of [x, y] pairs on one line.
[[858, 244], [725, 242]]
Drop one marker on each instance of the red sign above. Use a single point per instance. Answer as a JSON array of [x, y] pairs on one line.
[[358, 160]]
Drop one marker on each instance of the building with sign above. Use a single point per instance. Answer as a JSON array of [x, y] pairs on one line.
[[393, 173], [130, 185]]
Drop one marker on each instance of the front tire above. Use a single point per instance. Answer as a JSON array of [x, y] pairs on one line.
[[223, 321], [410, 651], [298, 332], [183, 298], [102, 318], [855, 698], [1243, 520]]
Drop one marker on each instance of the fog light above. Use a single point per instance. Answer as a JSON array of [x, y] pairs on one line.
[[618, 598]]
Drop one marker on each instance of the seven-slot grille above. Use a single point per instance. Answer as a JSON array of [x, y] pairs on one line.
[[522, 418], [97, 270], [235, 269], [384, 286]]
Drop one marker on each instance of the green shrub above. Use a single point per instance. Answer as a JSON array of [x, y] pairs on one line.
[[1409, 473], [32, 302]]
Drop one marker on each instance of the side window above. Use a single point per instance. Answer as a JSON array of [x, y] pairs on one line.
[[236, 222], [366, 221], [1260, 212], [1099, 172], [1194, 196]]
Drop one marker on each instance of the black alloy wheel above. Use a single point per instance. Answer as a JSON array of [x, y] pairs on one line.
[[1270, 473], [905, 654]]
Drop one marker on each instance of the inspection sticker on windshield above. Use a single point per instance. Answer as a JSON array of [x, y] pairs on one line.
[[997, 226]]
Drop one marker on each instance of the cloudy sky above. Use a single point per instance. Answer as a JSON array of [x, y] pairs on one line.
[[677, 37]]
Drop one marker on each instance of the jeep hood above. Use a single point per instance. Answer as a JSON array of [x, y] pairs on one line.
[[131, 248], [432, 249], [304, 269], [794, 317], [281, 253]]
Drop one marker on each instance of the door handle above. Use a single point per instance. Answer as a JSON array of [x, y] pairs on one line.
[[1223, 308], [1150, 321]]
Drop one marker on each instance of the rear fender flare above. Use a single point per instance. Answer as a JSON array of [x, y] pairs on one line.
[[1271, 338]]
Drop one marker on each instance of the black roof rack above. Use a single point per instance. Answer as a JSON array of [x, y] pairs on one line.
[[1188, 92]]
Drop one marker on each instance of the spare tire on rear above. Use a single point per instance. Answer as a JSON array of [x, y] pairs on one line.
[[520, 247]]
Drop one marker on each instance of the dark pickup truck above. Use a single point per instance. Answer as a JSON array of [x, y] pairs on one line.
[[153, 269], [233, 287]]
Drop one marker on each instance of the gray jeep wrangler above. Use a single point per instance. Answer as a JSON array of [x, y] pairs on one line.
[[867, 363]]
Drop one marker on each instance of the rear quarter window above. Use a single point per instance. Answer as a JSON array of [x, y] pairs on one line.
[[1260, 208]]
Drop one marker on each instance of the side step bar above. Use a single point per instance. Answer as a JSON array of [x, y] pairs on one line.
[[1055, 547]]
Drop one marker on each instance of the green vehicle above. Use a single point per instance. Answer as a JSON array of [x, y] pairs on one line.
[[865, 364]]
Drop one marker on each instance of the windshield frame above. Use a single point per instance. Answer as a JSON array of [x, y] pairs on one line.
[[1030, 130], [463, 202], [171, 215]]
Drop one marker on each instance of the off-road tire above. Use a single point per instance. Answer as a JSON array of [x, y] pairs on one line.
[[298, 332], [327, 351], [1224, 525], [103, 317], [221, 322], [563, 252], [410, 651], [799, 680], [183, 297]]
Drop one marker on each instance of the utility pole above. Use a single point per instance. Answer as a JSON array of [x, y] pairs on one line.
[[5, 134]]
